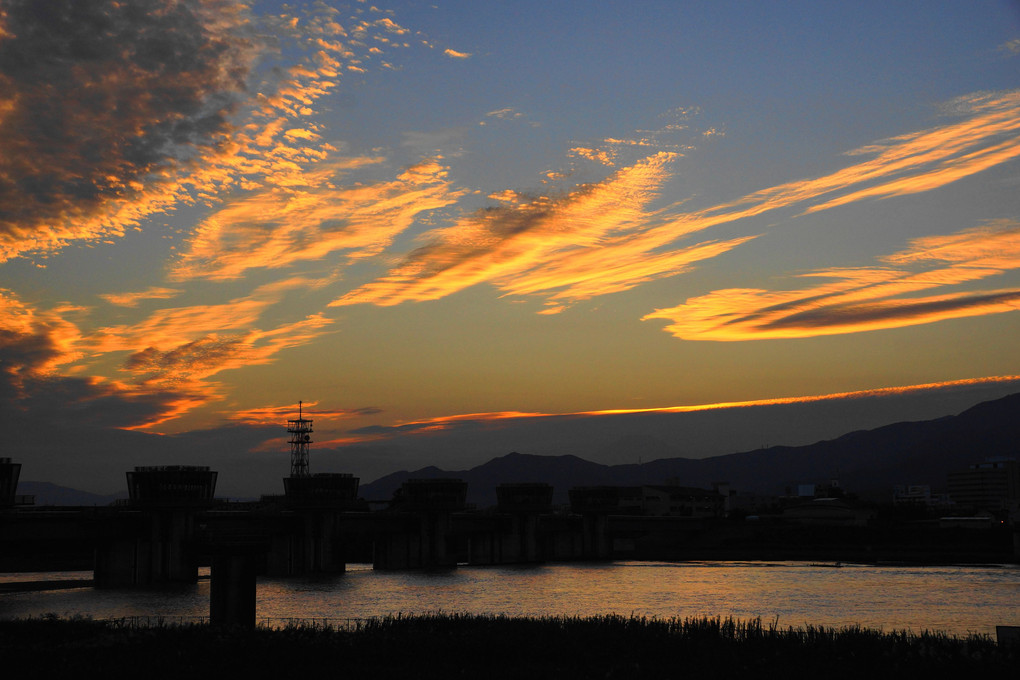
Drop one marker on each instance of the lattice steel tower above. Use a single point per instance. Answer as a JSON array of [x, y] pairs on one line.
[[300, 437]]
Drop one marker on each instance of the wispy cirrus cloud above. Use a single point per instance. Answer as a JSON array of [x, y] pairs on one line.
[[504, 419], [170, 357], [282, 225], [132, 299], [35, 347], [596, 239], [604, 237], [187, 367], [194, 360], [173, 326], [865, 298], [987, 135], [612, 151], [277, 415], [197, 341]]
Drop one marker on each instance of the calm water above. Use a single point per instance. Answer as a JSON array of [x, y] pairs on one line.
[[959, 600]]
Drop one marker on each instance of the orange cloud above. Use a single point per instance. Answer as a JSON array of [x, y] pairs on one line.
[[494, 419], [986, 136], [603, 238], [82, 154], [176, 326], [186, 368], [861, 299], [280, 226], [858, 394], [212, 353], [83, 157], [171, 355], [598, 155], [277, 415], [132, 299], [35, 345], [597, 239], [35, 342]]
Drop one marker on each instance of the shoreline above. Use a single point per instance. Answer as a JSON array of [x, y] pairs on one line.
[[40, 585]]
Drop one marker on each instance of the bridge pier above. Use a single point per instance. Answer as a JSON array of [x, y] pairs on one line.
[[232, 585], [314, 544], [485, 547], [153, 542], [423, 544], [145, 548], [561, 537], [524, 502], [504, 539], [594, 504], [313, 541], [426, 540]]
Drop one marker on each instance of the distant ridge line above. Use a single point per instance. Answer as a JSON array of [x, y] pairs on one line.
[[868, 462]]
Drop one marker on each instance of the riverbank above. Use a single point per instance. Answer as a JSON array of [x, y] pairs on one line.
[[48, 584], [445, 646]]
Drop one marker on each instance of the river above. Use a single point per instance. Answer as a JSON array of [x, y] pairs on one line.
[[958, 600]]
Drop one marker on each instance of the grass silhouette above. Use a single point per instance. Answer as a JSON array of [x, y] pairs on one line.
[[456, 645]]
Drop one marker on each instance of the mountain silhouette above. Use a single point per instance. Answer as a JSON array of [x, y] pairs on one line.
[[867, 462], [45, 493]]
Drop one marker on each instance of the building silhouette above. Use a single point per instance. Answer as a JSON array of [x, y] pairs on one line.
[[992, 485], [9, 473]]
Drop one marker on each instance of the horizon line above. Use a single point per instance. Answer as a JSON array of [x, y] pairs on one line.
[[433, 425]]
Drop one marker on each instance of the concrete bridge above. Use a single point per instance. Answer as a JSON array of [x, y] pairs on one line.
[[172, 525]]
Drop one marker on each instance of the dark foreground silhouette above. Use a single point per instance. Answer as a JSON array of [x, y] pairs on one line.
[[454, 646]]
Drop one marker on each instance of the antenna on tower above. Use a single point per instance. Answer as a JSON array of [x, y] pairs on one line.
[[300, 431]]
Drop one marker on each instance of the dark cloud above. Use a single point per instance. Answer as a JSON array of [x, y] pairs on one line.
[[207, 353], [32, 395], [80, 402], [387, 429], [841, 315], [493, 227], [101, 99], [365, 411], [36, 400], [24, 353], [440, 425], [781, 307]]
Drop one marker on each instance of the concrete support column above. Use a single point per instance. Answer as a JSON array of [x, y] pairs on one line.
[[435, 532], [120, 563], [594, 537], [232, 587], [528, 529]]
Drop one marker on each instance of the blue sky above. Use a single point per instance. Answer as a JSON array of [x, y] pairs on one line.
[[425, 217]]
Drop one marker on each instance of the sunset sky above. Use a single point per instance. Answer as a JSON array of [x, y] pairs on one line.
[[431, 218]]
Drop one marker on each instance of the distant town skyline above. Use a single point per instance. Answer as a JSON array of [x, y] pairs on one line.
[[460, 229]]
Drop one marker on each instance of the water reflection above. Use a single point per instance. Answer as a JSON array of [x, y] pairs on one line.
[[957, 600]]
